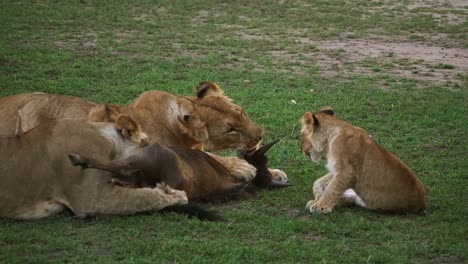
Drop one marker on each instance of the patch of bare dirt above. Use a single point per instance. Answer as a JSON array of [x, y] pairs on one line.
[[183, 52], [125, 35], [311, 237], [203, 15], [376, 56], [448, 260], [6, 62], [440, 3], [86, 41], [403, 59]]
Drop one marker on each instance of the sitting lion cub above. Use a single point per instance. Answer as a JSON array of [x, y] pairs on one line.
[[360, 171]]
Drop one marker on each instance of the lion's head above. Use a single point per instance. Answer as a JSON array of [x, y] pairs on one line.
[[314, 135], [210, 119], [217, 123]]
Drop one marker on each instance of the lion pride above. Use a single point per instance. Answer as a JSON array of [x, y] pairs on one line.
[[209, 120], [360, 171]]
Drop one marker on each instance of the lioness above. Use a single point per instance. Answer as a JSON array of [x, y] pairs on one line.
[[360, 171], [210, 119], [37, 179]]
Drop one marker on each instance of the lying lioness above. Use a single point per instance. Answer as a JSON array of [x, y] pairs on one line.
[[360, 171], [37, 179], [190, 170], [210, 120]]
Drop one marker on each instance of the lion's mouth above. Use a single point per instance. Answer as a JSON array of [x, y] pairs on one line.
[[315, 157], [248, 150]]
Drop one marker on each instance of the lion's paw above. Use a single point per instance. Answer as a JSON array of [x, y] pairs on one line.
[[179, 197], [278, 175], [315, 206], [243, 170]]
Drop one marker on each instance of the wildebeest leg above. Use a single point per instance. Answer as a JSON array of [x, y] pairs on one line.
[[121, 168], [114, 200]]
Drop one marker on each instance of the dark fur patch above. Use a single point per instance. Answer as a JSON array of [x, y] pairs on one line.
[[316, 122], [193, 211], [328, 112]]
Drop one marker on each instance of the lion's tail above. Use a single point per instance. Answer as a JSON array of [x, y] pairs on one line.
[[191, 210]]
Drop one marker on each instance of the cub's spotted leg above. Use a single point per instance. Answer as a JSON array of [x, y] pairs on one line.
[[239, 168]]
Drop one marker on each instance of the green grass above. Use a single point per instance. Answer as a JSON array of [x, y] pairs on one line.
[[111, 51]]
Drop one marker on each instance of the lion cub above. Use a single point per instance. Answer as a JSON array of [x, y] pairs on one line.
[[360, 171]]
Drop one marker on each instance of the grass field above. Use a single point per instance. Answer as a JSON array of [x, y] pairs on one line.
[[396, 68]]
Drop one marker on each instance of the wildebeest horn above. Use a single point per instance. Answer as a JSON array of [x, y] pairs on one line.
[[265, 148], [278, 184]]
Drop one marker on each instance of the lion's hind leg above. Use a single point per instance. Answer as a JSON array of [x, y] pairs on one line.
[[115, 200], [350, 197]]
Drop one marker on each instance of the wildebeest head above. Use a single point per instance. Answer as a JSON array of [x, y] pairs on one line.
[[259, 160]]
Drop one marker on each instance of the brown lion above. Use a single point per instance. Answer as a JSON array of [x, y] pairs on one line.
[[360, 171], [209, 120]]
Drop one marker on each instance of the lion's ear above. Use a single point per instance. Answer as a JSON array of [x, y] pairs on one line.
[[191, 121], [327, 110], [127, 125], [194, 127], [208, 89], [104, 113], [307, 119], [130, 129]]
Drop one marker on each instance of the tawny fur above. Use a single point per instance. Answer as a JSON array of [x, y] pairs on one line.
[[208, 120], [37, 179], [380, 180]]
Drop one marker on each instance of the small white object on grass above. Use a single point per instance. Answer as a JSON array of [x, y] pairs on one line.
[[293, 101]]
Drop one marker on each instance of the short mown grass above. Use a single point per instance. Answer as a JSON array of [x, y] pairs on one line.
[[111, 51]]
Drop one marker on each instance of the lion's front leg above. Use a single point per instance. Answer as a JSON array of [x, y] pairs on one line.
[[115, 200], [320, 185], [278, 175], [332, 194], [239, 168], [319, 188]]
